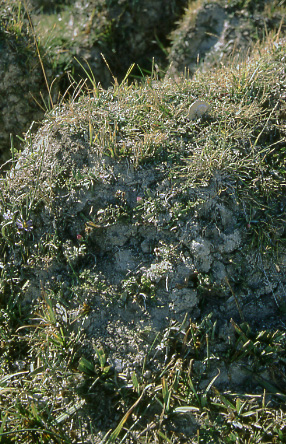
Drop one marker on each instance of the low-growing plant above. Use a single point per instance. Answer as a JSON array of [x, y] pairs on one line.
[[49, 375]]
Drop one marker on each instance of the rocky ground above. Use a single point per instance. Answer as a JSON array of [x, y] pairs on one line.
[[141, 239]]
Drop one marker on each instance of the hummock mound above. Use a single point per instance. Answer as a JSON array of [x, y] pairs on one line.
[[114, 186], [141, 216]]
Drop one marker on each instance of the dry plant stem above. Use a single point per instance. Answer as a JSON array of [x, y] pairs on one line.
[[116, 432], [38, 52], [236, 300]]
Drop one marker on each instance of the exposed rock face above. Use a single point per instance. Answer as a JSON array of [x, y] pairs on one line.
[[212, 31], [196, 35]]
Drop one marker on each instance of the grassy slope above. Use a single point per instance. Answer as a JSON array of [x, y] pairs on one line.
[[44, 371]]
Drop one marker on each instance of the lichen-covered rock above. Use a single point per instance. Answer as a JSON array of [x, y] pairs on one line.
[[196, 35], [215, 31]]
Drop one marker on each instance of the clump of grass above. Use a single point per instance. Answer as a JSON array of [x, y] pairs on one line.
[[244, 139], [187, 388]]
